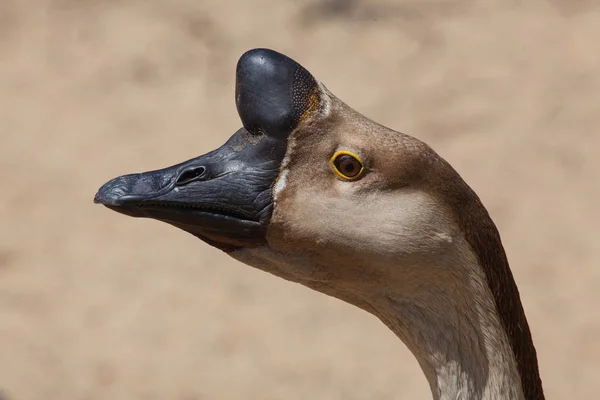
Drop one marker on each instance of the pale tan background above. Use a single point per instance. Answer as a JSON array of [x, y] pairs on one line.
[[94, 305]]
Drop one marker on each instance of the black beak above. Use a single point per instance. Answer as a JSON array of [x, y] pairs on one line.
[[224, 197]]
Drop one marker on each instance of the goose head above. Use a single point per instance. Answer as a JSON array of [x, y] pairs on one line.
[[316, 193]]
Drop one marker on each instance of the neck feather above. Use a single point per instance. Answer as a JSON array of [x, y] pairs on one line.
[[484, 240], [457, 337], [467, 327], [449, 315]]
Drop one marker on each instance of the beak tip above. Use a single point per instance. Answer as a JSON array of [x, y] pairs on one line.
[[110, 194], [104, 199]]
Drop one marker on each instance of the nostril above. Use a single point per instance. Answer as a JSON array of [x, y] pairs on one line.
[[191, 175]]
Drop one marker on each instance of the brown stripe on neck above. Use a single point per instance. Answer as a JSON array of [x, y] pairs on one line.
[[481, 233]]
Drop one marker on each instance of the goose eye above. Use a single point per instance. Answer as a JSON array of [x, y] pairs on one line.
[[347, 165]]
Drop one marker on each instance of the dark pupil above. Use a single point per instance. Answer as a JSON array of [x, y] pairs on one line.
[[348, 165]]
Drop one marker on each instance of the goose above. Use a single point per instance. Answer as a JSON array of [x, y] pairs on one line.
[[314, 192]]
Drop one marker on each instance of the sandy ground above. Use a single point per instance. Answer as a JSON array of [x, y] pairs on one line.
[[94, 305]]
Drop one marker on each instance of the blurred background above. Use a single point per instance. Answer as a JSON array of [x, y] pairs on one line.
[[94, 305]]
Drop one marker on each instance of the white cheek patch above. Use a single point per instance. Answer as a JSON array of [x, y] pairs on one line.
[[281, 183]]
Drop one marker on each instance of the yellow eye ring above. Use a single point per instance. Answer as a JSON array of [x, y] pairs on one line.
[[347, 165]]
